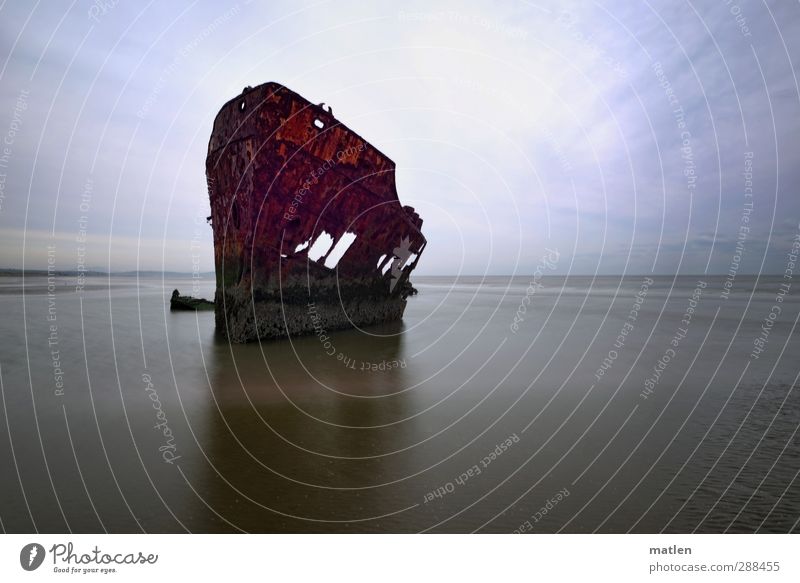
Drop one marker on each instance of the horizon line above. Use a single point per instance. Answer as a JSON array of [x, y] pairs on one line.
[[95, 272]]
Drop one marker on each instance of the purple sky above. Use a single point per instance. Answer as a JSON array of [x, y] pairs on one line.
[[617, 133]]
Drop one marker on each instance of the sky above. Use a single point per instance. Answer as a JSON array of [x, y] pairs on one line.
[[629, 137]]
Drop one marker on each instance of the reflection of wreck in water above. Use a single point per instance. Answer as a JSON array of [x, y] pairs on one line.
[[289, 449], [304, 211]]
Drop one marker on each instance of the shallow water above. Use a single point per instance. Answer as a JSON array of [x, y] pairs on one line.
[[398, 428]]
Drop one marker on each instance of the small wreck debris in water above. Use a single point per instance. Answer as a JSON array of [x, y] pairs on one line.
[[177, 303], [304, 212]]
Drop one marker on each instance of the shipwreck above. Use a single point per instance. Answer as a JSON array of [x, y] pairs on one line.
[[309, 233]]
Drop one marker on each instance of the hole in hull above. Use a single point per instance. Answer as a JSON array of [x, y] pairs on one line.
[[339, 250], [320, 246]]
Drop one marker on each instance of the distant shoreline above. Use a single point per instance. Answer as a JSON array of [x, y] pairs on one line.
[[88, 273], [211, 274]]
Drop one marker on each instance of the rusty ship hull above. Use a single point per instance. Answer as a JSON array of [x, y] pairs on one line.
[[309, 233]]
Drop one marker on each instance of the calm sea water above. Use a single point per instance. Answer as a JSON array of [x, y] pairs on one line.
[[495, 406]]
